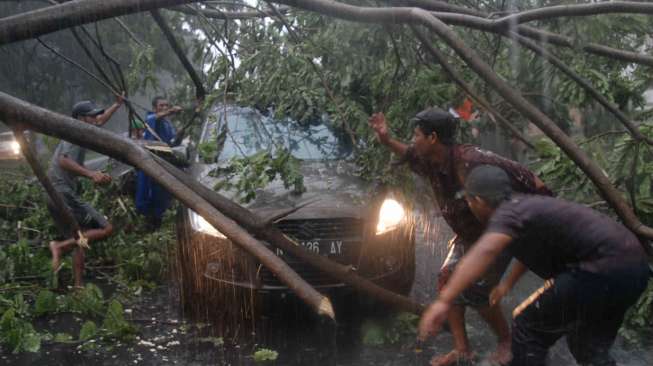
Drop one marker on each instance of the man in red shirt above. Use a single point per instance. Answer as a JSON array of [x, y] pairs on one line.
[[436, 156]]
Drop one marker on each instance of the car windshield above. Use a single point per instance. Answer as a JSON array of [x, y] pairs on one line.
[[249, 132]]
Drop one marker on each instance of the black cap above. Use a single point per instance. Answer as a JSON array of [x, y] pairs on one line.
[[86, 108], [436, 120], [434, 114], [488, 181]]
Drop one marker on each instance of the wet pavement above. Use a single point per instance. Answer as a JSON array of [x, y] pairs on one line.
[[295, 334]]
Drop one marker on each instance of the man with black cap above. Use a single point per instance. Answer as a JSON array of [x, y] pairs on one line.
[[594, 269], [435, 155], [66, 165]]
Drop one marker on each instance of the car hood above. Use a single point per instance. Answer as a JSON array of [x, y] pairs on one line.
[[332, 190]]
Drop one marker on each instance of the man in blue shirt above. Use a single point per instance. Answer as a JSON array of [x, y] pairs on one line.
[[151, 199]]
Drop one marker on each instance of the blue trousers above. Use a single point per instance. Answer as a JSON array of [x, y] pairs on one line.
[[152, 199]]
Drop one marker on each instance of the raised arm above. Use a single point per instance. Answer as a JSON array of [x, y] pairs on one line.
[[104, 117], [169, 111], [470, 268], [378, 123]]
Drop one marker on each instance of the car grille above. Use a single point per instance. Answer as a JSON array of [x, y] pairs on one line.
[[348, 230], [316, 229]]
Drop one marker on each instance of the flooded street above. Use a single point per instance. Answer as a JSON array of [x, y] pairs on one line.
[[298, 337]]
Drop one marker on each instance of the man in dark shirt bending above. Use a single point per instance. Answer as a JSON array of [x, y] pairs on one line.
[[435, 155], [595, 269]]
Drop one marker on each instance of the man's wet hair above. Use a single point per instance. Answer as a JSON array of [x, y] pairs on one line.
[[156, 100], [436, 120], [489, 182]]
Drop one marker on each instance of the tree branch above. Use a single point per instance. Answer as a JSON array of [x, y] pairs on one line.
[[574, 10], [634, 131], [200, 92], [442, 60], [124, 149], [530, 32], [508, 92], [42, 21], [229, 15]]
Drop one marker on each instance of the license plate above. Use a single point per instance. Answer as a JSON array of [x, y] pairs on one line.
[[322, 247]]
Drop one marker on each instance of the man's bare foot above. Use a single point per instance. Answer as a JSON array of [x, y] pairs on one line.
[[56, 256], [502, 355], [454, 358]]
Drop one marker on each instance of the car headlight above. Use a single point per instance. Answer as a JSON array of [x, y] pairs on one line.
[[198, 223], [15, 147], [390, 216]]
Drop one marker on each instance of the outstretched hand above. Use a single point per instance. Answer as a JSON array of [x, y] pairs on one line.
[[380, 126], [433, 319]]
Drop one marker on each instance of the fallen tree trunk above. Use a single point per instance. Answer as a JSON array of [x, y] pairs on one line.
[[18, 112], [261, 229], [53, 18], [55, 196]]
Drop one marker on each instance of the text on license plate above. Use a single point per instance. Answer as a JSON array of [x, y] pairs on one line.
[[323, 247]]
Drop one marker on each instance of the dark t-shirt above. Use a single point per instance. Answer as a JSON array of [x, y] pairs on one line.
[[551, 235], [448, 179]]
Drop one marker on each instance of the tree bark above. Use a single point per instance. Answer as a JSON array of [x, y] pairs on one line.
[[35, 23], [574, 10], [200, 92], [229, 15], [53, 18], [14, 111]]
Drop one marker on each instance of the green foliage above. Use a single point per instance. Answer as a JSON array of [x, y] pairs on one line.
[[265, 355], [88, 330], [115, 323], [142, 69], [63, 338], [135, 260], [208, 151], [6, 267], [18, 334], [247, 174], [379, 332], [45, 303]]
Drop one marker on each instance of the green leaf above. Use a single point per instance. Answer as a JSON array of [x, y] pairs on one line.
[[46, 302], [31, 341], [265, 354], [63, 337], [373, 333], [88, 331], [115, 323]]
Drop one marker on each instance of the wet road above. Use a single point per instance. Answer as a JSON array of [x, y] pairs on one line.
[[297, 336]]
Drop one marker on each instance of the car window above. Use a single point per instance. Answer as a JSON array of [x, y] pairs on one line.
[[249, 132]]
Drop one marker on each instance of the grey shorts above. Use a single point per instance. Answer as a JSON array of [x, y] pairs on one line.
[[86, 216], [478, 294]]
